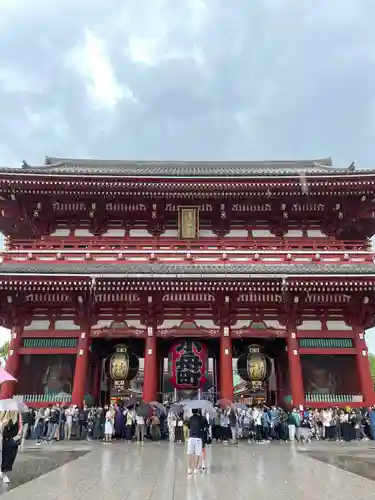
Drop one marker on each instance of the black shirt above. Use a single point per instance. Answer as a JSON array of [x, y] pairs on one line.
[[196, 424], [54, 416]]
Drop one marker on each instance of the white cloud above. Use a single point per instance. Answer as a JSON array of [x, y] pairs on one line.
[[91, 60]]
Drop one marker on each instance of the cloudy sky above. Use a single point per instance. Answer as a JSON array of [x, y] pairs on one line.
[[187, 79]]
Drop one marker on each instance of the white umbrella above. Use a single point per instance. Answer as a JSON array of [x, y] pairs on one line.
[[158, 406], [197, 404], [13, 405], [240, 406]]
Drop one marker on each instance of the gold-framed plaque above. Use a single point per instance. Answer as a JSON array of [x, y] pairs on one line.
[[188, 222]]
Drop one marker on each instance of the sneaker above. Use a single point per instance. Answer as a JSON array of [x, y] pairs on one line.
[[189, 471], [5, 479], [195, 471]]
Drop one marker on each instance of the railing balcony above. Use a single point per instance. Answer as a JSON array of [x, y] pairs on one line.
[[150, 243], [333, 398], [48, 399]]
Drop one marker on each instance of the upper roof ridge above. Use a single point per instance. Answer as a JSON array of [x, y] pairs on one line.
[[225, 170]]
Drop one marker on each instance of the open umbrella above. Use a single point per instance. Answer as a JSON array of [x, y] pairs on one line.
[[143, 409], [13, 405], [225, 403], [158, 406], [5, 376], [240, 406], [130, 402], [197, 404], [176, 408]]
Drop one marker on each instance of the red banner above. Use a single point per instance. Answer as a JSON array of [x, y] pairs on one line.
[[188, 359]]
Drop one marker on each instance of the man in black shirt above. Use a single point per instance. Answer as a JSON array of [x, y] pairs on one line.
[[196, 426]]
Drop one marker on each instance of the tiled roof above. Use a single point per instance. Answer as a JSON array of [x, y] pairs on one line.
[[180, 169], [188, 270]]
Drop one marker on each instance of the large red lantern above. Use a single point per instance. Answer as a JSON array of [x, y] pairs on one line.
[[188, 365]]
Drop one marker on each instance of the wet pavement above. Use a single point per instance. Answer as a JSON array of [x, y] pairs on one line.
[[356, 459], [94, 471], [34, 462]]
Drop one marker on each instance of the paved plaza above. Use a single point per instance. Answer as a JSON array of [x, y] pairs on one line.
[[158, 471]]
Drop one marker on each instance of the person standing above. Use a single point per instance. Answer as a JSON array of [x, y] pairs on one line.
[[140, 428], [69, 413], [232, 417], [293, 425], [196, 425], [39, 426], [11, 429], [172, 424], [52, 424], [179, 428], [108, 427], [26, 425]]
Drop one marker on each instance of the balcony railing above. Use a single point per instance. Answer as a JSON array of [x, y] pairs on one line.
[[46, 398], [333, 398], [150, 243]]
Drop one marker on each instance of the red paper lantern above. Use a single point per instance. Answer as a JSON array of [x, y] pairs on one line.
[[188, 364]]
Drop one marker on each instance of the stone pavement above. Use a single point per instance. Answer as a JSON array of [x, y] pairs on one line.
[[158, 471]]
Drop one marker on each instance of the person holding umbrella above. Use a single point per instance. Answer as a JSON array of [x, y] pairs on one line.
[[11, 430]]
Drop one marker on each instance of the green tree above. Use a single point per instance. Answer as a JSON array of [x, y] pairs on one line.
[[4, 351], [371, 358]]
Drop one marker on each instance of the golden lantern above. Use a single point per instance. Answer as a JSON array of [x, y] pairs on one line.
[[122, 364], [254, 366]]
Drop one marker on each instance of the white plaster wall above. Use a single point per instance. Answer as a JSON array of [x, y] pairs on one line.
[[139, 233], [338, 325], [38, 324], [262, 233], [61, 232], [315, 233], [66, 324], [294, 233], [170, 233], [310, 324], [115, 233], [82, 233], [237, 233]]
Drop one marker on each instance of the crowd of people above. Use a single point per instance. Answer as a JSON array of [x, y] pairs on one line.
[[60, 423], [258, 424]]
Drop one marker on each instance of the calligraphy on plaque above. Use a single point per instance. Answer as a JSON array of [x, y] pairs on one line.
[[189, 363], [188, 223]]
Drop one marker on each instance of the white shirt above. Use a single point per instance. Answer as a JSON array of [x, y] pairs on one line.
[[327, 418]]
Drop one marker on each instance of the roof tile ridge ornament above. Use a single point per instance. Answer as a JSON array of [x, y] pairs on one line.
[[351, 167]]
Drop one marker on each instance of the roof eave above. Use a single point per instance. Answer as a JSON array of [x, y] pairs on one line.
[[189, 276], [63, 177]]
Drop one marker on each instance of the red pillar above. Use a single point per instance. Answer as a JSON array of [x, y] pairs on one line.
[[363, 368], [150, 367], [81, 370], [13, 362], [295, 371], [226, 365]]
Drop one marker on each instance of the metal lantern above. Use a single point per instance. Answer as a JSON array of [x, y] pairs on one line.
[[122, 364], [188, 365], [254, 366]]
